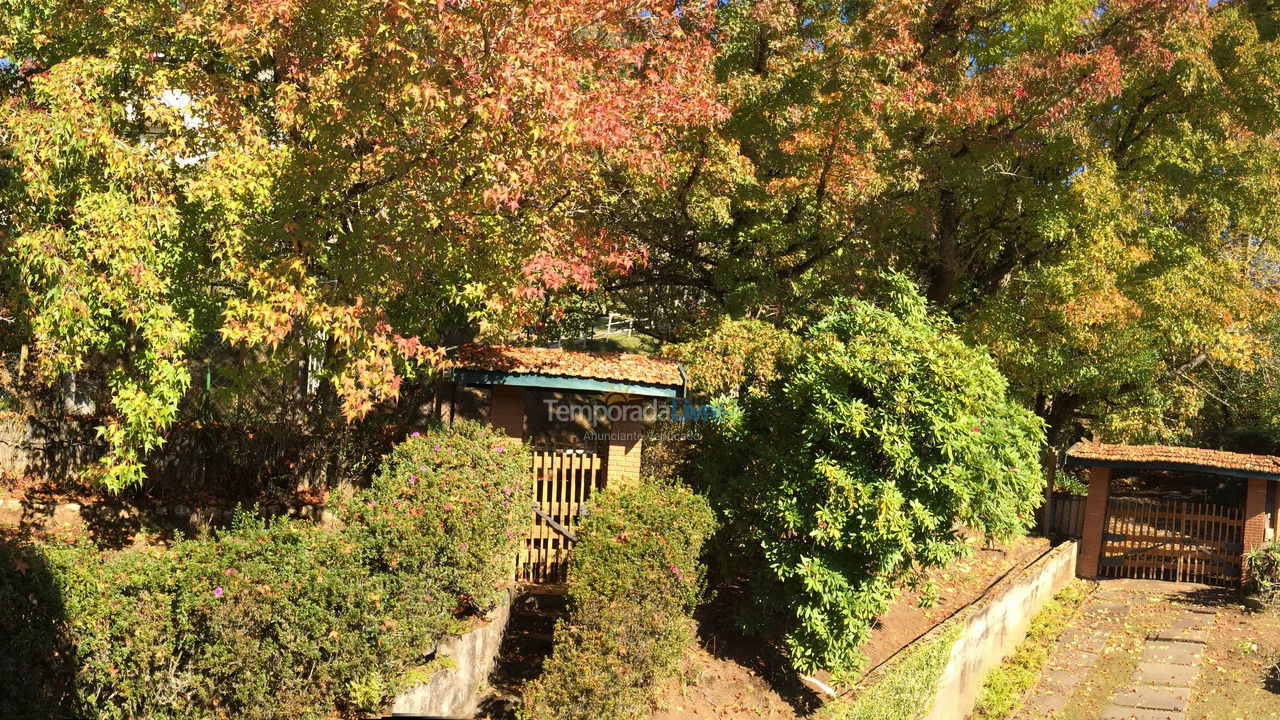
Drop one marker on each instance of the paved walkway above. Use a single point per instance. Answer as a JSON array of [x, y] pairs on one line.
[[1160, 687]]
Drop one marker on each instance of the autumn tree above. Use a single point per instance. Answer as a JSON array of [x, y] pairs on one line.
[[314, 183], [1084, 187]]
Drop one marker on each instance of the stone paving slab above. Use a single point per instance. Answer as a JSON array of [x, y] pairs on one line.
[[1108, 610], [1083, 640], [1174, 653], [1186, 634], [1188, 619], [1155, 697], [1060, 681], [1166, 674], [1115, 712]]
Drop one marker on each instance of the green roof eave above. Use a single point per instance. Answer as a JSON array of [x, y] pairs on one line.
[[560, 382]]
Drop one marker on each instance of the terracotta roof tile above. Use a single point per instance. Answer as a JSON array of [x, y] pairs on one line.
[[622, 367], [1085, 450]]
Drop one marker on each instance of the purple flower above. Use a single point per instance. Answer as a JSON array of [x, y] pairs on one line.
[[416, 433], [372, 503], [217, 592], [435, 447], [413, 479], [498, 449]]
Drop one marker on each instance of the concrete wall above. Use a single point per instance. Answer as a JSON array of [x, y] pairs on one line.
[[994, 626], [455, 691]]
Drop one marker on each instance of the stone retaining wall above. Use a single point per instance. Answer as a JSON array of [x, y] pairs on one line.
[[994, 626], [455, 690]]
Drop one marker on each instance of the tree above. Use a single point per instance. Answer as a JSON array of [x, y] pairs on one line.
[[314, 182], [1070, 181], [875, 451]]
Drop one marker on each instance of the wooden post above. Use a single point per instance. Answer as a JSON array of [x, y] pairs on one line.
[[1095, 522]]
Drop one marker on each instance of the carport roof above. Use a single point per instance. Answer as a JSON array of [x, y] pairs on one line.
[[1172, 457]]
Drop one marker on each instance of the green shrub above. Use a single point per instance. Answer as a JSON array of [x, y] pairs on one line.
[[1262, 566], [268, 619], [861, 465], [634, 581], [447, 503]]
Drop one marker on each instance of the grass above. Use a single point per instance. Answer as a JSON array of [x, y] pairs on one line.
[[1008, 682], [904, 689]]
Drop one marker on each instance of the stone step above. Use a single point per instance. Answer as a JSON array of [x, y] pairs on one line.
[[1155, 697], [1166, 674], [1173, 653], [1187, 635], [1115, 712]]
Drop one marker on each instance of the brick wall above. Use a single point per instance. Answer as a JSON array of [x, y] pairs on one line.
[[624, 452], [1255, 514], [1095, 522]]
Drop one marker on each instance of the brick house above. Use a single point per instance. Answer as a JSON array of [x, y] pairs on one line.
[[1174, 513]]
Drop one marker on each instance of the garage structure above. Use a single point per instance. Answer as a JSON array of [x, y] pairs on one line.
[[1174, 513], [529, 390]]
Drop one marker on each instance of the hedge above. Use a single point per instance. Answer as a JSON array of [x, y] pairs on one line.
[[634, 581], [268, 618]]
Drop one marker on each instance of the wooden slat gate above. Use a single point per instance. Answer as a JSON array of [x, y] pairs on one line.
[[563, 482], [1172, 540]]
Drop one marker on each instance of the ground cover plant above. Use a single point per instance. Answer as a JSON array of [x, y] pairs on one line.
[[270, 618], [634, 581], [1005, 685]]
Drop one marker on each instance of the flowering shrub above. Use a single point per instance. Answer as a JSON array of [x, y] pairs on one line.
[[447, 502], [634, 581], [267, 619]]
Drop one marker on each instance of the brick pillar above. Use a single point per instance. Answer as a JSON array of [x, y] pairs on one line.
[[1255, 516], [506, 410], [624, 451], [1095, 522]]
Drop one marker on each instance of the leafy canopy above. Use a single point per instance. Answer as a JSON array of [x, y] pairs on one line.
[[330, 182]]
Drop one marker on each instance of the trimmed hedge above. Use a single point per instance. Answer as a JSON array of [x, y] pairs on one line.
[[269, 618], [634, 581]]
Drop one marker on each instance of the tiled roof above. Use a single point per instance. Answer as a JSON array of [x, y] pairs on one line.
[[621, 367], [1158, 455]]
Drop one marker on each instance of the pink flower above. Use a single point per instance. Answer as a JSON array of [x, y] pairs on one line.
[[413, 479], [498, 449], [416, 433], [229, 571], [463, 547], [217, 592], [372, 503], [435, 447]]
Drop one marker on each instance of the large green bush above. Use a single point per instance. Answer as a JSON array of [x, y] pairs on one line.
[[862, 464], [634, 581], [269, 619]]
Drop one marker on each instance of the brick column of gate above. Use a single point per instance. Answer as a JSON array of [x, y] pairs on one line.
[[1095, 522], [1255, 517]]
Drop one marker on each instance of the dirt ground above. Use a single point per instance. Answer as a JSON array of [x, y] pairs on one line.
[[732, 677], [1233, 683]]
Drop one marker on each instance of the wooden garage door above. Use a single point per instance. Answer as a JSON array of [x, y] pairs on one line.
[[1172, 540]]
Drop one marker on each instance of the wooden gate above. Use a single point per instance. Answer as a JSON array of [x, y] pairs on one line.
[[1172, 540], [563, 482]]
